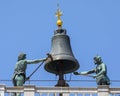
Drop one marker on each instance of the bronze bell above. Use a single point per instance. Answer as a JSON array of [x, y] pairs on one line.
[[63, 59]]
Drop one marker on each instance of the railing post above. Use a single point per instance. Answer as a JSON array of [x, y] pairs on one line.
[[103, 90], [29, 90], [2, 90], [66, 94], [63, 94]]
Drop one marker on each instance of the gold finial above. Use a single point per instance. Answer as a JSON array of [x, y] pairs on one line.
[[58, 14]]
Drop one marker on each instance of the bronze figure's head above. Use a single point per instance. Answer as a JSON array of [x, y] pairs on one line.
[[97, 60], [21, 56]]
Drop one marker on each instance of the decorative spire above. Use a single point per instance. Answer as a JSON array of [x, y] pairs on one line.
[[58, 14]]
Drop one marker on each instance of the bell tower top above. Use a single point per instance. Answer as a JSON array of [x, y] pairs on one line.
[[58, 14]]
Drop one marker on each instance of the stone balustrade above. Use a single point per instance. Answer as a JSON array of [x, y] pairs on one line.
[[32, 90]]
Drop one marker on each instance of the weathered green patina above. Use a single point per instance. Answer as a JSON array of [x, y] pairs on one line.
[[19, 75], [100, 70]]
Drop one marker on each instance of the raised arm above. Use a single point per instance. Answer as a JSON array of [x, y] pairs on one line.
[[85, 72], [35, 61], [91, 71]]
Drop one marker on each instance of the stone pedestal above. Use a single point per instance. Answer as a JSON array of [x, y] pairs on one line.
[[103, 90], [2, 90], [29, 90]]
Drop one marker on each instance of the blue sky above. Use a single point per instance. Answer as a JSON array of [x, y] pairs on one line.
[[28, 26]]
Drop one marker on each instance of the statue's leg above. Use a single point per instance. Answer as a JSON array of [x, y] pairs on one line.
[[98, 81], [104, 81], [19, 82], [107, 80]]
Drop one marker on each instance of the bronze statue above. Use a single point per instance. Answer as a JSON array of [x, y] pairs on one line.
[[100, 70], [19, 75]]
